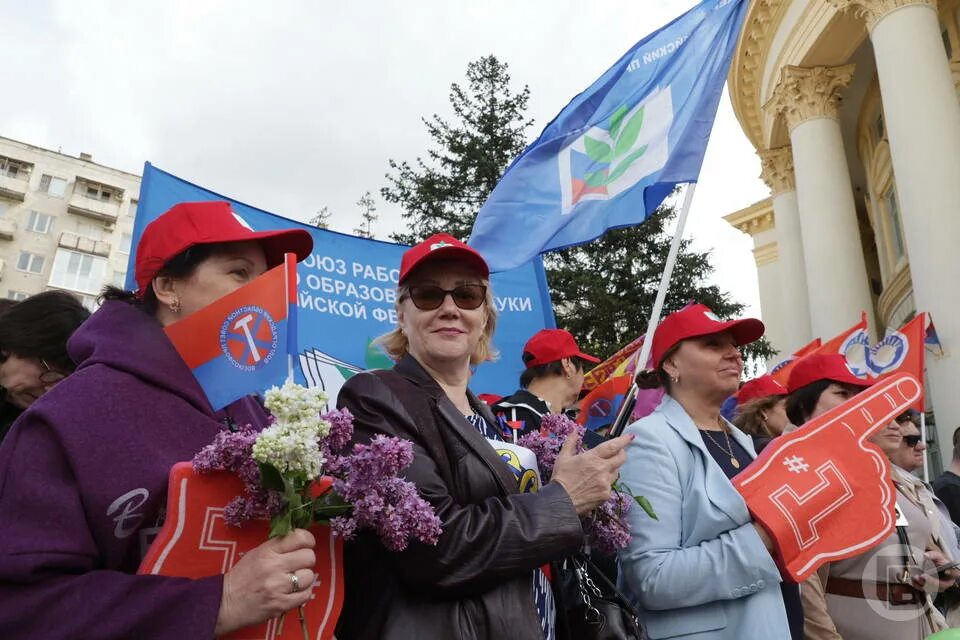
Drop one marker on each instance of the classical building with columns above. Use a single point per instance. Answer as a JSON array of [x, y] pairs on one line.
[[853, 108]]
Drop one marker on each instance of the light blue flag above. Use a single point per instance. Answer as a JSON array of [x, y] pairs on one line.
[[620, 147]]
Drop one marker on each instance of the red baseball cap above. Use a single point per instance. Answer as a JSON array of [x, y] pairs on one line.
[[441, 246], [550, 345], [823, 366], [761, 387], [191, 223], [698, 320]]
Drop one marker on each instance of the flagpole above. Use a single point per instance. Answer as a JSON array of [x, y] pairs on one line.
[[626, 408], [923, 439]]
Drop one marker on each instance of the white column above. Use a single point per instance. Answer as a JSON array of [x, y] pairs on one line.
[[922, 117], [791, 276], [832, 253]]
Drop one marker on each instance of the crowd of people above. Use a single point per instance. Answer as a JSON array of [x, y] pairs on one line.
[[96, 408]]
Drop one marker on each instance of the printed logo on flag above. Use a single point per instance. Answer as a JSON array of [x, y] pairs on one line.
[[856, 349], [888, 354], [248, 338], [604, 162]]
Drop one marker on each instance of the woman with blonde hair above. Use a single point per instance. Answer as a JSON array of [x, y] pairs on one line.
[[485, 577], [761, 410]]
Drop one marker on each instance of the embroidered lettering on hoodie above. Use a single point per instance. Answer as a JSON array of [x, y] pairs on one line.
[[127, 520]]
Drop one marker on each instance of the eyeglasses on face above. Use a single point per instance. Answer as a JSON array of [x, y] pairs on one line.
[[911, 441], [49, 376], [428, 297]]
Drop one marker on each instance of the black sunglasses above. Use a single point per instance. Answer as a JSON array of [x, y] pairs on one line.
[[911, 441], [428, 297]]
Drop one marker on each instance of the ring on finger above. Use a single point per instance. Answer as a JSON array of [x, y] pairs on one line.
[[294, 583]]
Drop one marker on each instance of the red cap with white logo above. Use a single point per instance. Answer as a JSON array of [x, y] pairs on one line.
[[191, 223], [698, 320], [441, 246]]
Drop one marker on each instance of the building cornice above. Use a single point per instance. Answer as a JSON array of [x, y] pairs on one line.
[[745, 77], [756, 218], [805, 93]]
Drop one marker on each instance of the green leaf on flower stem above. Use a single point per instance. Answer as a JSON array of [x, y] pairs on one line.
[[640, 500], [646, 506], [271, 478], [281, 524], [629, 134], [598, 151], [616, 120]]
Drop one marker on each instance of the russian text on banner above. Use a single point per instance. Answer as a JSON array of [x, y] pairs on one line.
[[239, 344], [619, 148]]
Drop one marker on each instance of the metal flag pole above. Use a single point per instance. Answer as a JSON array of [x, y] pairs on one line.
[[630, 399], [923, 439]]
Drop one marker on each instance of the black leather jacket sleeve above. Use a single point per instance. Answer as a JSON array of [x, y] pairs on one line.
[[485, 538]]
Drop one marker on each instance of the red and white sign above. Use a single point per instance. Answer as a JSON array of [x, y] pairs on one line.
[[823, 492], [196, 542]]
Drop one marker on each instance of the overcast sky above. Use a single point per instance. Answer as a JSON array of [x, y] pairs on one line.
[[296, 105]]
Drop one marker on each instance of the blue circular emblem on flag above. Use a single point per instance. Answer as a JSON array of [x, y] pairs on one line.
[[888, 354], [248, 338]]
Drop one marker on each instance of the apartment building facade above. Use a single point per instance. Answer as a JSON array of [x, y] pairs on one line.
[[65, 222]]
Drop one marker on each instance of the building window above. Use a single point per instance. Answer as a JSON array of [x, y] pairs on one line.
[[4, 205], [30, 262], [893, 220], [17, 295], [39, 222], [119, 279], [132, 210], [98, 192], [13, 168], [53, 186], [78, 271]]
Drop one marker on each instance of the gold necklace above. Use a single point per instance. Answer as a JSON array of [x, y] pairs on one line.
[[729, 448]]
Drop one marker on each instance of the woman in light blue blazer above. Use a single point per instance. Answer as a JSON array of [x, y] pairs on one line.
[[703, 569]]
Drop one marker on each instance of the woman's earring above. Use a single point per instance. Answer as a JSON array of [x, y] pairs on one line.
[[675, 379], [175, 306]]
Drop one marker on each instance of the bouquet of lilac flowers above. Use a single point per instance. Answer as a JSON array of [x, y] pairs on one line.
[[607, 530], [282, 465]]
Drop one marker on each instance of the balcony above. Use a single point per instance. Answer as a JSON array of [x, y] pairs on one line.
[[7, 227], [103, 211], [83, 244], [13, 188]]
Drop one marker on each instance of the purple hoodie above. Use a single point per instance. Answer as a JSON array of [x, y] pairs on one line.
[[83, 483]]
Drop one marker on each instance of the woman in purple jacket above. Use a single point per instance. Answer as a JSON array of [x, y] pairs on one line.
[[83, 472]]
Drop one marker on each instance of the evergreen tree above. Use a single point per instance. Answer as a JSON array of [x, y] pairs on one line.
[[444, 192], [602, 291], [368, 216]]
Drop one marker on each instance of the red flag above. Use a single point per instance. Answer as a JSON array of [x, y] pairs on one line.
[[808, 348], [853, 344], [596, 376], [902, 351]]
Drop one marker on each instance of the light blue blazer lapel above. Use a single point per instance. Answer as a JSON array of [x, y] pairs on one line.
[[718, 488]]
